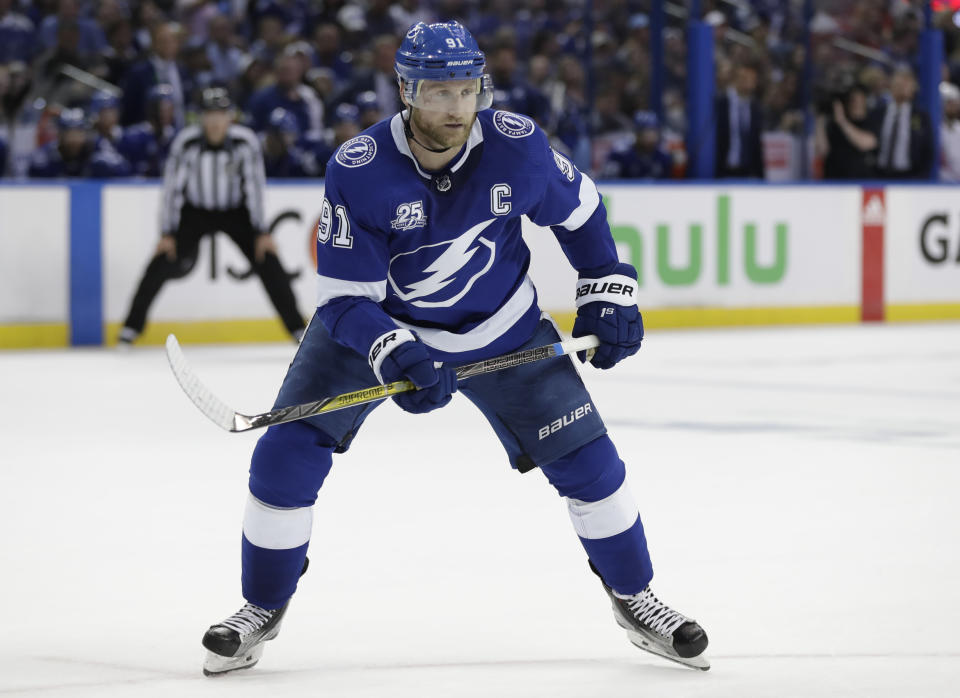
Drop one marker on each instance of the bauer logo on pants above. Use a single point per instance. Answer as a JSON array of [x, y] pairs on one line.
[[568, 419]]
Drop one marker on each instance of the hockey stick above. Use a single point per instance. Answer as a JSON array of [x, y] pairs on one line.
[[227, 418]]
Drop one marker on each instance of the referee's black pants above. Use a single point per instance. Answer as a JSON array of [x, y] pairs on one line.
[[194, 224]]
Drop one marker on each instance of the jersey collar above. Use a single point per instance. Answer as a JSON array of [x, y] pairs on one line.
[[400, 139]]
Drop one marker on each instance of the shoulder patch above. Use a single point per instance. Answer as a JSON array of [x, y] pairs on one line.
[[566, 167], [512, 125], [357, 151]]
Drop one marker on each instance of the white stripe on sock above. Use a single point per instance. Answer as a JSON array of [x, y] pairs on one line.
[[608, 517], [276, 529]]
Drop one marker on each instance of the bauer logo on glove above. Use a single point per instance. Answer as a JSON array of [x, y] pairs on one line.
[[607, 307]]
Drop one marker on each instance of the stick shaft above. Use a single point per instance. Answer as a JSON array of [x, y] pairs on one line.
[[228, 419]]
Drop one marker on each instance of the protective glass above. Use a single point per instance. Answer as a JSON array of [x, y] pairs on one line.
[[450, 96]]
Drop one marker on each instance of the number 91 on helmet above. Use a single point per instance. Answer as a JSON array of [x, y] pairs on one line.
[[440, 69]]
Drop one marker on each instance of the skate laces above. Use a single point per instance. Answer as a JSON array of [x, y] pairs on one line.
[[248, 619], [649, 610]]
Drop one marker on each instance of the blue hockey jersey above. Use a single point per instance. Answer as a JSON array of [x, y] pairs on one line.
[[441, 253]]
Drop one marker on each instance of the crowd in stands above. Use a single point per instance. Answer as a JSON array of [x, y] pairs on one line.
[[99, 87]]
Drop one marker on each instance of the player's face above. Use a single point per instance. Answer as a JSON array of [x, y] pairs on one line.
[[444, 111]]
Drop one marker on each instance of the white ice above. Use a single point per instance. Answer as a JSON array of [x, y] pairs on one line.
[[799, 489]]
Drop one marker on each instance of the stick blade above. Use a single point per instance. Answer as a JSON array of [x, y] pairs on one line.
[[208, 403]]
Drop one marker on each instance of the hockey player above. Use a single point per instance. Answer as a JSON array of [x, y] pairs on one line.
[[421, 260]]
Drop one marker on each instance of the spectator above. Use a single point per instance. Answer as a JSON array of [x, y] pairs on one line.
[[255, 74], [51, 83], [645, 158], [328, 53], [846, 139], [369, 109], [569, 112], [224, 57], [90, 37], [70, 154], [17, 35], [104, 110], [739, 123], [196, 71], [950, 133], [905, 134], [120, 52], [271, 35], [380, 78], [345, 124], [159, 67], [511, 92], [290, 93], [379, 20], [282, 158], [145, 145]]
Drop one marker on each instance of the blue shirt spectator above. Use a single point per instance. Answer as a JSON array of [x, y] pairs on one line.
[[91, 39], [291, 94], [17, 35], [282, 157], [70, 154], [328, 51], [645, 158], [224, 56], [146, 145]]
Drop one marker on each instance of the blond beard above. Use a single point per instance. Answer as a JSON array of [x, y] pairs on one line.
[[436, 134]]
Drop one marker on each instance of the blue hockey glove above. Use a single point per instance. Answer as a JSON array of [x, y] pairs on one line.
[[399, 355], [607, 307]]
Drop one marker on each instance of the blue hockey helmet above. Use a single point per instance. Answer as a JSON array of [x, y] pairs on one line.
[[346, 112], [283, 121], [71, 119], [646, 120], [443, 52], [160, 92], [103, 100], [367, 100]]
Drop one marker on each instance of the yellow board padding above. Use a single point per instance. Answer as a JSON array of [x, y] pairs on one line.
[[206, 331], [916, 312], [33, 336], [667, 318]]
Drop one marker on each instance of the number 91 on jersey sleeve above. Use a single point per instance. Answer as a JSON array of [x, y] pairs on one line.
[[342, 237]]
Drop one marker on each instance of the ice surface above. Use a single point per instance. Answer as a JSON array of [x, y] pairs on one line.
[[799, 489]]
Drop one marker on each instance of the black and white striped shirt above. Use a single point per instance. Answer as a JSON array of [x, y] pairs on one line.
[[219, 178]]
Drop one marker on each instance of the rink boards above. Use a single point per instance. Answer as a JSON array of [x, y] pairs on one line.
[[706, 255]]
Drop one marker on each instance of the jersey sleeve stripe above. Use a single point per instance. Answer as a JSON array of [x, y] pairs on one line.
[[329, 288], [589, 200]]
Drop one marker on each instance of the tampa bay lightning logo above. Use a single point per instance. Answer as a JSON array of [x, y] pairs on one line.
[[513, 125], [357, 151], [440, 274]]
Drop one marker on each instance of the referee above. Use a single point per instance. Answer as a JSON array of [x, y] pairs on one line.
[[213, 181]]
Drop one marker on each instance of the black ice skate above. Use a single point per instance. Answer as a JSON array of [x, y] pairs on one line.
[[237, 642], [653, 626]]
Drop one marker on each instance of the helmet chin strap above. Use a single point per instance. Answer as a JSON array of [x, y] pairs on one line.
[[409, 133]]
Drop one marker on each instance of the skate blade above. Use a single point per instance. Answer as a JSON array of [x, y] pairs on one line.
[[637, 639], [216, 665]]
